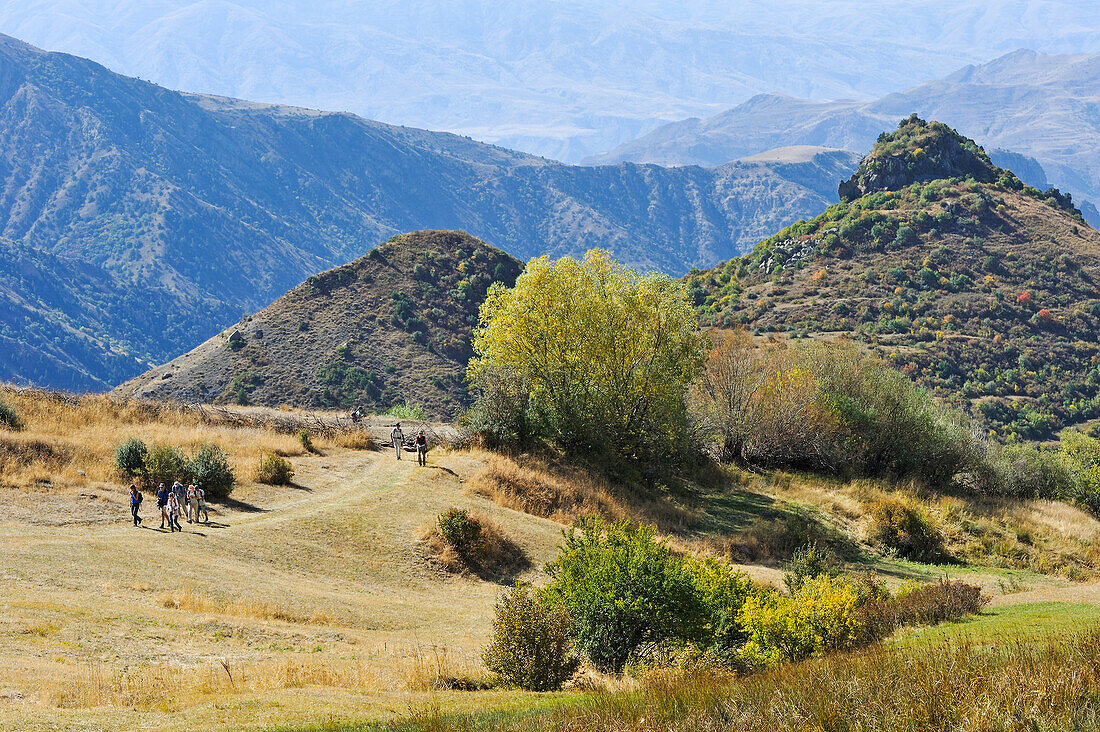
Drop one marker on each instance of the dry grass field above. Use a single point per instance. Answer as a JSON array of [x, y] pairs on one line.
[[317, 603]]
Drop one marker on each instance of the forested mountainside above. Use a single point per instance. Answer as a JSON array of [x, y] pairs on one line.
[[983, 289], [193, 210]]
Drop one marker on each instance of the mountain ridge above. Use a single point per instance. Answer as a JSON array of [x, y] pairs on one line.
[[208, 207], [1039, 105]]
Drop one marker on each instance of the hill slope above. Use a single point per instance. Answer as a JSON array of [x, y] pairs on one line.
[[394, 326], [1043, 106], [983, 289], [203, 208]]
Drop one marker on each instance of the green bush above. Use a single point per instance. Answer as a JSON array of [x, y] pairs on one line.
[[808, 561], [905, 529], [722, 592], [209, 468], [819, 616], [531, 645], [164, 464], [305, 439], [404, 410], [130, 458], [459, 529], [274, 470], [623, 588], [9, 418]]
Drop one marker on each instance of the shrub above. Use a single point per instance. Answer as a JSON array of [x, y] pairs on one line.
[[209, 468], [274, 470], [531, 645], [130, 458], [722, 591], [9, 418], [474, 543], [404, 410], [808, 561], [923, 605], [905, 529], [459, 529], [623, 588], [819, 616], [164, 464], [305, 439]]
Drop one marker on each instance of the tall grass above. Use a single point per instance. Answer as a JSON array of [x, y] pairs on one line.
[[72, 439], [959, 686]]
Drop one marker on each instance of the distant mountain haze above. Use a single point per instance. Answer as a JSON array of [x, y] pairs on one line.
[[561, 79], [141, 221], [1041, 106]]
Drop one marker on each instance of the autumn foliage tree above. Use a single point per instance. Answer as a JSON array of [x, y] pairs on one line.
[[597, 356]]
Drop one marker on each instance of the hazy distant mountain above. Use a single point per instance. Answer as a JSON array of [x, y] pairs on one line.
[[563, 79], [1045, 107], [142, 221]]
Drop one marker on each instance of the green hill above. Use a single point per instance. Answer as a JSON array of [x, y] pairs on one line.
[[391, 327], [983, 289]]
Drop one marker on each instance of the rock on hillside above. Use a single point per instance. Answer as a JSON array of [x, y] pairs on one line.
[[394, 326], [983, 289], [917, 152], [196, 209]]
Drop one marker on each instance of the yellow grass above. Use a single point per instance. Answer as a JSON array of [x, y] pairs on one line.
[[194, 602], [71, 440], [561, 493]]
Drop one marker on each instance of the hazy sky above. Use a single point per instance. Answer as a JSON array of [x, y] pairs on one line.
[[558, 78]]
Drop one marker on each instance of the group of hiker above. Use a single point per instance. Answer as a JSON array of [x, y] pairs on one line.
[[421, 443], [189, 500]]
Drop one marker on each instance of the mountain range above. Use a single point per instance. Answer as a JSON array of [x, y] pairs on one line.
[[181, 212], [564, 79], [1038, 105]]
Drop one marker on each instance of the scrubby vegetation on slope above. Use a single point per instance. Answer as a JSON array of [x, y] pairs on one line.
[[387, 331], [980, 288]]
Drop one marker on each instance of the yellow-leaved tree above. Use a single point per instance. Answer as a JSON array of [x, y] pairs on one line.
[[589, 355]]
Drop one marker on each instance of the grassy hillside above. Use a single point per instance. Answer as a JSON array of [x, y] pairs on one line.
[[316, 604], [392, 327], [981, 288], [193, 209]]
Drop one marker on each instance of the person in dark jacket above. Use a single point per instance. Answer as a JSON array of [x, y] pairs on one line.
[[162, 504], [421, 448]]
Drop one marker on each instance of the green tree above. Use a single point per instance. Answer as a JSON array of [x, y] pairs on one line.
[[605, 354], [623, 588]]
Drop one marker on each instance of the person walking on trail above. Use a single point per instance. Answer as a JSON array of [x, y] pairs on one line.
[[162, 503], [421, 448], [178, 492], [192, 506], [174, 513], [200, 500], [135, 503], [398, 439]]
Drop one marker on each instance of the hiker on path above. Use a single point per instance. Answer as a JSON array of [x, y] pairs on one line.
[[177, 491], [174, 513], [398, 439], [200, 500], [357, 415], [135, 503], [192, 505], [162, 503], [421, 448]]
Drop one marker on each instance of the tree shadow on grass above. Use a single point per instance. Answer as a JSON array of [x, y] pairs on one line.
[[243, 507]]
